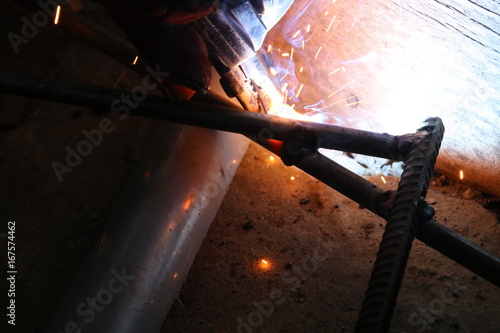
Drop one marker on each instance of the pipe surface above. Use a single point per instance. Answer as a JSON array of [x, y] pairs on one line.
[[461, 250], [256, 125], [132, 276]]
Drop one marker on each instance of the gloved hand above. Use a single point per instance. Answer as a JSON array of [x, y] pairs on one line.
[[160, 31]]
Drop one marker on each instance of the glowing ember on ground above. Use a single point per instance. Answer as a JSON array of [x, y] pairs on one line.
[[264, 264]]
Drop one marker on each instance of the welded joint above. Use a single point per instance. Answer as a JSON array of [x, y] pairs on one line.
[[425, 215], [300, 143]]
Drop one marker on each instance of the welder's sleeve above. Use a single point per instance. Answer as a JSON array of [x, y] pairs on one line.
[[163, 35]]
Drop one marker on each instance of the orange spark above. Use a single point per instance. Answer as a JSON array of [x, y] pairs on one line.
[[331, 22], [286, 54], [271, 158], [119, 79], [319, 50], [300, 89], [269, 48], [291, 54], [135, 60], [264, 264], [308, 29], [187, 203], [383, 179], [58, 13], [296, 34], [292, 178], [303, 44], [301, 69], [461, 174], [335, 71], [333, 93]]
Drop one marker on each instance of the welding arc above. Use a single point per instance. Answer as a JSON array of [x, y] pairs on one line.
[[385, 281]]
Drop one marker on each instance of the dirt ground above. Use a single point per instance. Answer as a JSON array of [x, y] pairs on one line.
[[319, 246]]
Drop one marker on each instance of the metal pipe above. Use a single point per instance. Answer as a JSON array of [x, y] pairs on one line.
[[132, 276], [346, 182], [461, 250], [258, 126], [261, 126]]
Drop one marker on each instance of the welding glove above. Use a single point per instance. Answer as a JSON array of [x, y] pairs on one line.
[[161, 32]]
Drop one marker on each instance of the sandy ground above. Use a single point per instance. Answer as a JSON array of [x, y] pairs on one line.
[[319, 245]]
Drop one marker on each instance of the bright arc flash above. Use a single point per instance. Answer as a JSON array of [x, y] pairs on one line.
[[58, 13]]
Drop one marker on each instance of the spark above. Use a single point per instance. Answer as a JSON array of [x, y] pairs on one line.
[[331, 22], [336, 91], [273, 71], [187, 204], [461, 174], [286, 54], [296, 34], [340, 101], [270, 48], [301, 69], [300, 89], [308, 29], [303, 44], [271, 158], [292, 178], [119, 79], [354, 103], [383, 179], [283, 89], [319, 50], [175, 275], [284, 76], [264, 264], [291, 54], [58, 13], [335, 71], [135, 60], [326, 13]]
